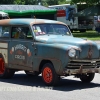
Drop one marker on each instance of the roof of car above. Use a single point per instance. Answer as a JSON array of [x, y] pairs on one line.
[[26, 21]]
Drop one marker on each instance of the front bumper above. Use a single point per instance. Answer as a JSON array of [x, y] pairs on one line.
[[82, 71], [83, 66]]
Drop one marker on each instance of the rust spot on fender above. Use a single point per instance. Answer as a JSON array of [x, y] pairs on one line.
[[90, 52]]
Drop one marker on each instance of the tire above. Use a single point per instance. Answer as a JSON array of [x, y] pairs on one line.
[[87, 78], [49, 75], [5, 72], [30, 74]]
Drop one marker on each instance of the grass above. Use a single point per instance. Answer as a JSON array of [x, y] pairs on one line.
[[91, 35]]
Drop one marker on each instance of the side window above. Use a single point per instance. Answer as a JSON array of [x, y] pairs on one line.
[[4, 31], [21, 33]]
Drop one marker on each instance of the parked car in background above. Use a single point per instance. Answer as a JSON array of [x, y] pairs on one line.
[[3, 15], [46, 47]]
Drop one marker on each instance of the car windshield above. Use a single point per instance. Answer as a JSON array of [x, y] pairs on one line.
[[47, 29]]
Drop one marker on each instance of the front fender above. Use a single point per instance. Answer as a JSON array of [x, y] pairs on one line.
[[56, 53]]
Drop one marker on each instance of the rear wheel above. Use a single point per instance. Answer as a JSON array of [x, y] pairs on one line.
[[49, 75], [87, 77], [5, 72]]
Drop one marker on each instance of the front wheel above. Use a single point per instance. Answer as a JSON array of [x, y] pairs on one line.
[[49, 75], [87, 77], [5, 72]]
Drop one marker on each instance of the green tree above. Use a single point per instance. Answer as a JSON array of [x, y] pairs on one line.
[[19, 2], [34, 2], [31, 2], [6, 1], [88, 2], [55, 2]]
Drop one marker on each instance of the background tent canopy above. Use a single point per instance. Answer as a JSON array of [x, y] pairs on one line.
[[90, 11], [26, 9]]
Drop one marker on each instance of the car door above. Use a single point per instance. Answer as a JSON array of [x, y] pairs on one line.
[[20, 47], [4, 42]]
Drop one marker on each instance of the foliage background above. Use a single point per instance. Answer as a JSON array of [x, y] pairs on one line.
[[49, 2], [34, 2]]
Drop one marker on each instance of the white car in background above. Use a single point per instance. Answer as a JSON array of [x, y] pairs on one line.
[[3, 15]]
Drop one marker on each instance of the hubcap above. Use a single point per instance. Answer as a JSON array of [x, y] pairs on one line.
[[47, 75]]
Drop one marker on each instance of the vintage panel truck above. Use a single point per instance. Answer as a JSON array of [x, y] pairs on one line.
[[47, 47]]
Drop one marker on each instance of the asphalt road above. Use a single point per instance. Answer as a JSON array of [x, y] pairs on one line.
[[22, 87]]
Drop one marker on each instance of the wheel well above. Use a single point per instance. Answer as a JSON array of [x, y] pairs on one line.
[[42, 63]]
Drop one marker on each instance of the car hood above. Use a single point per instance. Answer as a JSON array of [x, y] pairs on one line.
[[85, 46], [62, 39]]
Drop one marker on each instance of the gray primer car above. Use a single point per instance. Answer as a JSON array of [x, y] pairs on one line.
[[48, 47]]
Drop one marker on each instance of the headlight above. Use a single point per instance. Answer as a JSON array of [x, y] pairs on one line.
[[72, 53]]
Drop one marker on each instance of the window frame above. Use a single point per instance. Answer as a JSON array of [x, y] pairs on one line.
[[9, 32], [28, 26], [53, 24]]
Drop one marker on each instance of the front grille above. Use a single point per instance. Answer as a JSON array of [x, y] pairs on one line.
[[76, 64]]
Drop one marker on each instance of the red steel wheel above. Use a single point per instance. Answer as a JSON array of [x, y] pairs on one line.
[[2, 67], [5, 72], [49, 74]]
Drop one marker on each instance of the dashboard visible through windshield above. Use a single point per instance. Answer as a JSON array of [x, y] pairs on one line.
[[53, 29]]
